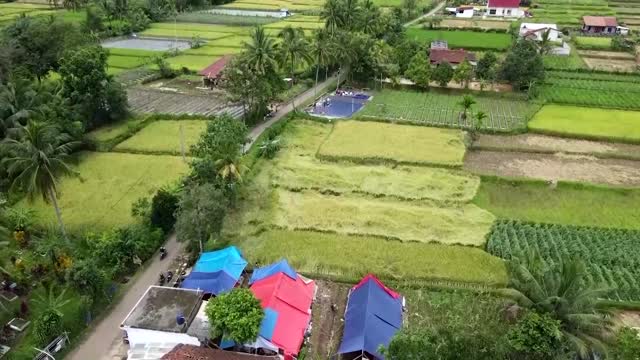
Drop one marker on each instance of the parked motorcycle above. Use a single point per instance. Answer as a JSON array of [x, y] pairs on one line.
[[161, 280], [163, 253]]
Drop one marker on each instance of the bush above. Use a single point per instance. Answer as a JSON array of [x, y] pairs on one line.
[[163, 208], [145, 239], [87, 278], [236, 314], [47, 326]]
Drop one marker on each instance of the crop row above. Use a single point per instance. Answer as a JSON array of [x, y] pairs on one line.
[[590, 97], [593, 76], [611, 256], [597, 85]]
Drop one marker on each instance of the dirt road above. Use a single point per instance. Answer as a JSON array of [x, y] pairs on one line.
[[430, 13], [102, 341]]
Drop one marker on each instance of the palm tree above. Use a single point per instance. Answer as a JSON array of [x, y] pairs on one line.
[[544, 44], [332, 14], [261, 51], [50, 302], [38, 160], [322, 51], [560, 291], [477, 124], [229, 169], [293, 48], [466, 103]]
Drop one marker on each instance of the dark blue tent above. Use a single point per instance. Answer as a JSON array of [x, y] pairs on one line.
[[211, 283], [373, 316], [280, 266]]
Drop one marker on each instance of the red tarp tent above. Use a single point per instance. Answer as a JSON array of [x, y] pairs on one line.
[[290, 300]]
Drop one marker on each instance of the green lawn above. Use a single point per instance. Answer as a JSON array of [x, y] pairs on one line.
[[587, 122], [470, 40], [112, 131], [464, 224], [592, 42], [356, 256], [163, 137], [403, 144], [109, 183], [567, 204], [299, 169], [126, 62], [192, 62]]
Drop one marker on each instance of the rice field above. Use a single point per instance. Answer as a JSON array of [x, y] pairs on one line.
[[12, 10], [593, 42], [164, 137], [401, 144], [441, 109], [276, 5], [470, 40], [109, 183], [462, 224], [589, 123], [355, 256], [298, 169]]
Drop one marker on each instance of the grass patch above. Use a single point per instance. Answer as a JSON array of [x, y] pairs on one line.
[[114, 130], [567, 204], [192, 62], [208, 18], [443, 109], [126, 62], [298, 169], [386, 259], [593, 43], [470, 40], [163, 137], [463, 224], [571, 62], [403, 144], [108, 185], [589, 123]]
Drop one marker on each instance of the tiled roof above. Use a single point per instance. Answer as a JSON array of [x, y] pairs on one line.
[[216, 68], [437, 56], [600, 20], [190, 352], [503, 3]]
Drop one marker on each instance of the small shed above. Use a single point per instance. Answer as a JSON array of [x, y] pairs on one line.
[[535, 31], [216, 272], [599, 24], [212, 74]]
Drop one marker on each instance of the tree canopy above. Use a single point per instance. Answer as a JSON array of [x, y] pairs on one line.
[[235, 315]]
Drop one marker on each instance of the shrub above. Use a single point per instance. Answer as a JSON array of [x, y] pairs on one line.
[[236, 314], [536, 337], [87, 278], [163, 208], [47, 326]]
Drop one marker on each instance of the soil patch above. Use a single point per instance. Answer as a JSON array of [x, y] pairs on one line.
[[628, 318], [552, 144], [610, 64], [555, 167], [328, 319]]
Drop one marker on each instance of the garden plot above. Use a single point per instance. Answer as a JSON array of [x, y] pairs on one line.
[[588, 123], [276, 5], [108, 185], [439, 109], [470, 40], [563, 203], [464, 224], [333, 254], [164, 137], [402, 144], [552, 144], [555, 167], [480, 24], [298, 169], [152, 101], [146, 44], [611, 256], [592, 89]]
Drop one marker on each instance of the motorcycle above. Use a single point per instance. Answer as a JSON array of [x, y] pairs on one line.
[[163, 253], [169, 276], [161, 280]]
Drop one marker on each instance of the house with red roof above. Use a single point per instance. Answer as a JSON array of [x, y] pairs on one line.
[[212, 74], [599, 24], [504, 8], [455, 57]]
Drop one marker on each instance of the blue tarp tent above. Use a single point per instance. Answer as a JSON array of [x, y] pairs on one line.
[[211, 283], [373, 316], [216, 272], [280, 266], [228, 260]]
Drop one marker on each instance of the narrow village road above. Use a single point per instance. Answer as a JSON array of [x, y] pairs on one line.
[[99, 344], [430, 13], [286, 109]]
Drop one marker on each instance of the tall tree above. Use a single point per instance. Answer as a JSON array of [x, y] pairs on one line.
[[38, 160], [486, 66], [321, 50], [294, 48], [260, 51], [559, 291], [332, 13], [466, 103], [463, 73], [523, 65], [201, 210], [443, 73], [419, 70]]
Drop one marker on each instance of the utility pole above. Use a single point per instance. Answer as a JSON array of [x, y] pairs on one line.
[[184, 159]]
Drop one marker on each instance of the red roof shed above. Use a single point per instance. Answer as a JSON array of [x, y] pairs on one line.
[[212, 71], [453, 57], [600, 21], [503, 3]]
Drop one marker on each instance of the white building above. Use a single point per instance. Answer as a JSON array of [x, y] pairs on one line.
[[461, 11], [535, 31], [504, 8]]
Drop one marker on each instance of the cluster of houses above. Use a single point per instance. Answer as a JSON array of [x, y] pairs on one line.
[[170, 323]]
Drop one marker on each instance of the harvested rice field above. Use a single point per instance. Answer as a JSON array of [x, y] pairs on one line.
[[370, 142], [164, 137]]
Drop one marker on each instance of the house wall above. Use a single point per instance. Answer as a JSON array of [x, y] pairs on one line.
[[465, 14], [599, 29], [505, 12]]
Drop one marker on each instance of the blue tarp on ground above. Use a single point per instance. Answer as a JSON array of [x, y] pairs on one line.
[[211, 283], [228, 260], [373, 317], [280, 266]]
